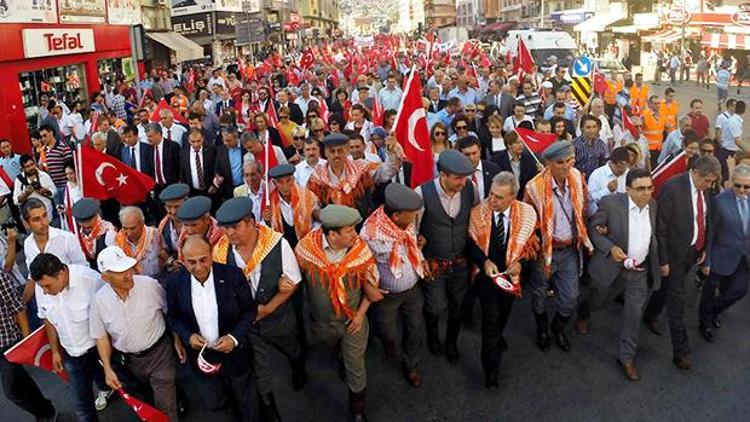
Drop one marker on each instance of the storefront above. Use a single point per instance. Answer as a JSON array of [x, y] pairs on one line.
[[214, 32], [59, 61]]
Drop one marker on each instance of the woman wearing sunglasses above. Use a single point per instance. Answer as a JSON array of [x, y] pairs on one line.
[[461, 128]]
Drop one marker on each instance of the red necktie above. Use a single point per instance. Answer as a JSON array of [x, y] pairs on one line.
[[474, 179], [701, 224], [157, 158]]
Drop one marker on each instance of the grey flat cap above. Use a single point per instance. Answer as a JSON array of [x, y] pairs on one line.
[[335, 140], [281, 170], [85, 209], [452, 161], [194, 208], [174, 192], [400, 198], [337, 216], [234, 210], [558, 151]]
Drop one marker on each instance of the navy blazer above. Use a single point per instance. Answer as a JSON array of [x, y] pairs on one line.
[[675, 219], [146, 151], [236, 310], [727, 242]]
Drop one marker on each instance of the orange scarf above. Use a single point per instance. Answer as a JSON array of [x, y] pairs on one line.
[[539, 194], [522, 243], [267, 240], [379, 227], [303, 203], [121, 240], [355, 182], [358, 266], [88, 241]]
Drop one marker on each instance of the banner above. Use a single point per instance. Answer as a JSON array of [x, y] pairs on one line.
[[82, 11], [27, 11], [124, 12], [188, 7]]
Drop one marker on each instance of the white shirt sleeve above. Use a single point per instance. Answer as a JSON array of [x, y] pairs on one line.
[[289, 264], [46, 181]]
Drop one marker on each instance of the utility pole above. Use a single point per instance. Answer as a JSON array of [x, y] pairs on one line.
[[541, 14]]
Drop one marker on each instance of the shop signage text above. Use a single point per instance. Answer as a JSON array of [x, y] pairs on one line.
[[57, 42], [742, 17]]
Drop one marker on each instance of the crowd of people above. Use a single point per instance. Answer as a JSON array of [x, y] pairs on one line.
[[239, 254]]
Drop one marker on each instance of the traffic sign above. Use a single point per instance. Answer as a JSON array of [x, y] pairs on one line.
[[581, 88], [582, 67]]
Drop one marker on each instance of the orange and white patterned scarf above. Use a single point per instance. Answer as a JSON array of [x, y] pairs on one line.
[[539, 194], [379, 227], [356, 181], [522, 242], [303, 203], [88, 241], [267, 240], [141, 247], [357, 266]]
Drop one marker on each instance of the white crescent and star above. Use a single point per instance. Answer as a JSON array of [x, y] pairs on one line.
[[413, 119], [40, 353], [100, 170]]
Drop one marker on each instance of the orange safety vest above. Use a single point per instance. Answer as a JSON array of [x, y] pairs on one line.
[[653, 129], [180, 102], [610, 94], [669, 111], [639, 97]]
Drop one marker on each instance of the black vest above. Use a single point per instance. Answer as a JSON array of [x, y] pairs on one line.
[[99, 245], [446, 237], [270, 273], [289, 233]]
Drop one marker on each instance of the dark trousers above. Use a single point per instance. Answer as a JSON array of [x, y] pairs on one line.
[[731, 289], [496, 306], [672, 294], [276, 332], [21, 389], [447, 290], [408, 305], [157, 370], [231, 386], [82, 372]]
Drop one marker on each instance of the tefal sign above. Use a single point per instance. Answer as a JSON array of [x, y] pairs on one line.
[[57, 42]]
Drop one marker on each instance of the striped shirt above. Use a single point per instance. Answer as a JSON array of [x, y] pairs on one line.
[[382, 251], [56, 158], [532, 103], [11, 304]]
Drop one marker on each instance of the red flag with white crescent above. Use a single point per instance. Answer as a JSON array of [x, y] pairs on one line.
[[536, 142], [104, 177], [325, 114], [145, 412], [628, 125], [377, 112], [525, 60], [34, 350], [667, 170], [307, 59], [412, 132]]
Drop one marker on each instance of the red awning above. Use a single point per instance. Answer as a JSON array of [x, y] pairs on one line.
[[726, 41], [499, 26]]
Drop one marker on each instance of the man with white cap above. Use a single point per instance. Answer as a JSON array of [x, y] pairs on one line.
[[127, 320]]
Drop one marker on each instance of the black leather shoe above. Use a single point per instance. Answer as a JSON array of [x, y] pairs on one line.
[[491, 380], [708, 334], [542, 333], [451, 352], [558, 330], [651, 325], [716, 323]]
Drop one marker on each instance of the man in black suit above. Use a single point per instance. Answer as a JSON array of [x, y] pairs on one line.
[[229, 160], [197, 164], [295, 113], [517, 160], [681, 232], [495, 95], [211, 308], [164, 165], [436, 104], [484, 170], [138, 155], [195, 121], [225, 105], [114, 143]]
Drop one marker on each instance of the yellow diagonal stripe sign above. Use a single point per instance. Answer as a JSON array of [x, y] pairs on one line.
[[581, 88]]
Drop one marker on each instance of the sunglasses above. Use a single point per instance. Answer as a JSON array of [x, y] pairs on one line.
[[298, 138], [283, 117], [462, 127], [739, 186], [318, 130], [439, 133]]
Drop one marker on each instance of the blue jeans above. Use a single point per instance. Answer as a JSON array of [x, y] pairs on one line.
[[82, 370]]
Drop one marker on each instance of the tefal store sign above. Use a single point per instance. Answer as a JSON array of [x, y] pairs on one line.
[[57, 42]]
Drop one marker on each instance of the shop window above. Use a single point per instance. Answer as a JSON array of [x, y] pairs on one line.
[[110, 71], [67, 83]]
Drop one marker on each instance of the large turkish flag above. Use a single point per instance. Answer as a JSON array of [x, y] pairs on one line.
[[412, 133]]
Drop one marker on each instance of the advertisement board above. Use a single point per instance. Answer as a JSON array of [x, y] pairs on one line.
[[28, 11], [124, 12], [193, 26], [187, 7], [82, 11]]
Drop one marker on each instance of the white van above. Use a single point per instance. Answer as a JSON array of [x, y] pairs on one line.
[[544, 44]]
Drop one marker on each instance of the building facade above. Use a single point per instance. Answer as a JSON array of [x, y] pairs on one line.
[[411, 15], [439, 13]]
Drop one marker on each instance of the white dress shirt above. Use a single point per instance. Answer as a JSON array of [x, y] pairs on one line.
[[505, 215], [62, 244], [498, 144], [159, 168], [289, 266], [599, 179], [694, 197], [68, 311], [176, 132], [511, 122], [205, 308], [479, 175], [639, 232], [304, 170], [194, 168]]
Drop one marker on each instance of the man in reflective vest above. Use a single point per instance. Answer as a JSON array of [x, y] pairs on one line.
[[639, 94], [654, 124]]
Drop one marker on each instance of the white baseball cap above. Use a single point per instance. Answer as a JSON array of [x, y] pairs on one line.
[[112, 258]]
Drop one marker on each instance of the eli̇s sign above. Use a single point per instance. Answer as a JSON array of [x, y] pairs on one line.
[[57, 42]]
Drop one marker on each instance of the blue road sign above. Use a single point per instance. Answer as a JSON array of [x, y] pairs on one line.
[[582, 66]]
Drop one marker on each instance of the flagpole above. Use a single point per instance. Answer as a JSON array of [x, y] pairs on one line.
[[79, 168], [265, 190]]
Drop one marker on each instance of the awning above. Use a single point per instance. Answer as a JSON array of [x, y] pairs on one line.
[[727, 41], [598, 22], [668, 36], [627, 29], [183, 47]]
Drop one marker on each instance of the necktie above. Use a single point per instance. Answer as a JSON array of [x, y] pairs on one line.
[[501, 228], [701, 224], [132, 158], [474, 179], [199, 168], [744, 214], [157, 164], [169, 134]]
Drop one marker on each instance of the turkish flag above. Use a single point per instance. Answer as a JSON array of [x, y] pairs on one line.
[[525, 61], [470, 48], [34, 350], [600, 82], [145, 412], [306, 60], [377, 112], [94, 122], [628, 125], [325, 114], [667, 170], [273, 119], [105, 177], [485, 61], [536, 142], [412, 132], [164, 106]]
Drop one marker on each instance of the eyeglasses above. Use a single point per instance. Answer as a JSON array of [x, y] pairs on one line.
[[470, 111], [739, 186], [298, 138], [283, 117], [462, 127]]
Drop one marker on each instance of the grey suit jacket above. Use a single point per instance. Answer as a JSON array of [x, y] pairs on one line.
[[613, 213]]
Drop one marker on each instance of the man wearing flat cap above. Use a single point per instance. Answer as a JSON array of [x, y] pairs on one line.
[[390, 233], [139, 241], [195, 218], [502, 237], [345, 181], [443, 226], [342, 281], [172, 198], [94, 233], [273, 274], [293, 209], [562, 203]]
